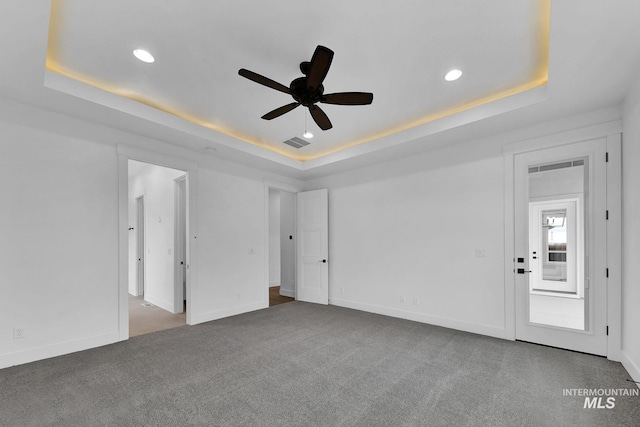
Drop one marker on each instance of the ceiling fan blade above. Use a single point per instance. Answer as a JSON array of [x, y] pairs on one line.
[[280, 111], [320, 117], [319, 66], [263, 80], [347, 98]]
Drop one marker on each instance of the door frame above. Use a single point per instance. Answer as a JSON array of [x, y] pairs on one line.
[[611, 131], [126, 153], [288, 188]]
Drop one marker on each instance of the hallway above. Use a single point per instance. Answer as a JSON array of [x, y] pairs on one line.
[[145, 317], [275, 298]]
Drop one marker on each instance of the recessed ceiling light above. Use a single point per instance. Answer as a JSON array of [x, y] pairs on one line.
[[307, 135], [144, 56], [453, 75]]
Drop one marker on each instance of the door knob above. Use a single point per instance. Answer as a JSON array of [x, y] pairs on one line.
[[324, 260]]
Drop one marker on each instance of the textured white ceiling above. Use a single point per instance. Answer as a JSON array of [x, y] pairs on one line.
[[400, 51]]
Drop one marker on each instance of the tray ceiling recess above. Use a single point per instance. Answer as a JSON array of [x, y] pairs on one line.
[[400, 53]]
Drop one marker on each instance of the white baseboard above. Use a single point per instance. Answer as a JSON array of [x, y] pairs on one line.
[[227, 312], [159, 303], [274, 284], [491, 331], [287, 292], [58, 349], [631, 367]]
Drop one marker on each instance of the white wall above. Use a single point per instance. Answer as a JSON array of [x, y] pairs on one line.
[[59, 225], [59, 244], [157, 185], [631, 232], [274, 237], [405, 244], [287, 245], [404, 234]]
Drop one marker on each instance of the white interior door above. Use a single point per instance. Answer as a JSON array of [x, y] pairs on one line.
[[312, 283], [140, 244], [560, 243], [180, 244]]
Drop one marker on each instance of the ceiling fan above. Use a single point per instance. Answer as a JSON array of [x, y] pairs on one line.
[[308, 90]]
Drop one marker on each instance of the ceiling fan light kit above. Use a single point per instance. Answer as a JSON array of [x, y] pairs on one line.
[[306, 133], [308, 90]]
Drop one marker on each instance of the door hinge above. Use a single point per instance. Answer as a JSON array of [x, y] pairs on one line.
[[607, 273], [606, 157], [607, 215], [607, 330]]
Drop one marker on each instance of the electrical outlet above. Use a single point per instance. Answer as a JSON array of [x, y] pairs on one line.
[[19, 332], [342, 290], [403, 298], [416, 300]]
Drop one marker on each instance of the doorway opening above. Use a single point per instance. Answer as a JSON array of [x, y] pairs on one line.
[[157, 199], [282, 246], [558, 249]]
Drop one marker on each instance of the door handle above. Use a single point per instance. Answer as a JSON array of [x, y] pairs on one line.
[[522, 271], [323, 260]]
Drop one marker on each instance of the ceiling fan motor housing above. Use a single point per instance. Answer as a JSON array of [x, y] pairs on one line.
[[303, 94]]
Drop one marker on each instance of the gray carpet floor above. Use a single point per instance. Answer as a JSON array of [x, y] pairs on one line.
[[301, 364]]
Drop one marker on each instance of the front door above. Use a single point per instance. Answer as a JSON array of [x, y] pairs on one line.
[[560, 242]]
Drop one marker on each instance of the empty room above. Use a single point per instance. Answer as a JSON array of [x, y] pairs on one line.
[[415, 213]]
